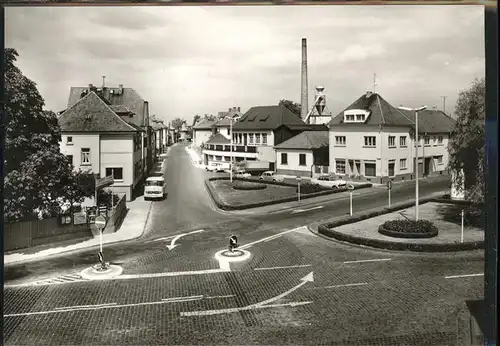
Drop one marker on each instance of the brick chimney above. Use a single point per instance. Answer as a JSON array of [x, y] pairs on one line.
[[239, 109], [368, 94], [120, 87], [90, 87]]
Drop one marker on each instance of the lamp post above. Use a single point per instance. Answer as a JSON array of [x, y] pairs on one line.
[[231, 119], [416, 110]]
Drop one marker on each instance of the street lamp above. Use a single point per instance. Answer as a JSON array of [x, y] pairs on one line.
[[416, 110], [231, 119]]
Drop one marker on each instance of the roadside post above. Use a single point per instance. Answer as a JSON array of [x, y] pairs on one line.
[[350, 187], [100, 223], [298, 187], [233, 243], [462, 227], [389, 188]]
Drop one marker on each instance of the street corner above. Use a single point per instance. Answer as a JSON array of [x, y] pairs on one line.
[[97, 273]]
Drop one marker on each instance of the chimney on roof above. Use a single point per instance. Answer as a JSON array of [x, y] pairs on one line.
[[229, 109], [368, 94], [303, 90], [120, 87], [90, 87], [239, 109]]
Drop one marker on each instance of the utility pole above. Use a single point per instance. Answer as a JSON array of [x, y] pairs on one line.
[[444, 103], [374, 82]]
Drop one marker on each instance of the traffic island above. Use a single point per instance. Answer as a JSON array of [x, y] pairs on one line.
[[226, 197], [97, 272], [364, 229]]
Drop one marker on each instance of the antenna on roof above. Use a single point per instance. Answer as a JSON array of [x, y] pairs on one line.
[[374, 82], [103, 81], [444, 103]]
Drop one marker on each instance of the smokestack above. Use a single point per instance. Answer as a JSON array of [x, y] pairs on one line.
[[303, 90]]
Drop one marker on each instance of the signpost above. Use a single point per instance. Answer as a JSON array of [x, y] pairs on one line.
[[298, 187], [100, 223], [462, 228], [350, 187], [389, 188], [233, 242]]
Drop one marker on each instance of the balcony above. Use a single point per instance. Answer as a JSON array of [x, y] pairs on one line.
[[236, 148]]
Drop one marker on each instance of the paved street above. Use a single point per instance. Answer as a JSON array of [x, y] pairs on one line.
[[183, 295]]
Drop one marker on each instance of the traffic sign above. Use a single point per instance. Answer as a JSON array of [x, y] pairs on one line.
[[233, 240], [389, 184], [100, 222], [101, 257], [350, 187], [299, 178]]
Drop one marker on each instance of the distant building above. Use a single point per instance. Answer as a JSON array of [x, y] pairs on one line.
[[372, 140]]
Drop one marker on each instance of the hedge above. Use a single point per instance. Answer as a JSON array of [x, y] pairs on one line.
[[225, 206], [246, 186]]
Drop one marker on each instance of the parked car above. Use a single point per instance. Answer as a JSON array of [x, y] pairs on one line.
[[240, 173], [329, 181], [155, 188], [270, 175], [217, 167]]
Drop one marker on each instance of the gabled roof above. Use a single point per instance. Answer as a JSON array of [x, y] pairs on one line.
[[306, 127], [91, 114], [381, 112], [218, 139], [306, 140], [432, 121], [205, 124], [266, 118], [127, 97]]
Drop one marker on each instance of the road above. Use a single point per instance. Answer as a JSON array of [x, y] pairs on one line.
[[357, 296]]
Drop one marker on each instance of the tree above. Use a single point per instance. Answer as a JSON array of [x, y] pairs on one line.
[[295, 108], [196, 118], [210, 117], [177, 123], [466, 144], [37, 175]]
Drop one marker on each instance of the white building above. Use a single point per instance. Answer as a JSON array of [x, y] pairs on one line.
[[372, 140], [98, 140]]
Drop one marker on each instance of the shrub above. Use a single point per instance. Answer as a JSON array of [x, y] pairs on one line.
[[245, 185], [408, 229], [310, 188]]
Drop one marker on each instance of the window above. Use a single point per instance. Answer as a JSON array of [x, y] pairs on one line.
[[392, 141], [218, 158], [439, 159], [419, 141], [427, 140], [370, 169], [440, 139], [360, 117], [70, 158], [257, 138], [264, 138], [340, 140], [402, 164], [250, 138], [69, 140], [284, 159], [85, 156], [391, 168], [349, 117], [370, 141], [302, 159], [339, 166], [402, 141], [229, 132], [434, 140], [116, 172]]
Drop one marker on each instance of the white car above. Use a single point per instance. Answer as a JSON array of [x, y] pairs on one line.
[[242, 174], [217, 167], [155, 188], [270, 175], [330, 182]]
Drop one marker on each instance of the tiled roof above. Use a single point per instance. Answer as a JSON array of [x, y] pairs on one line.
[[120, 109], [306, 127], [91, 114], [205, 124], [128, 98], [266, 118], [306, 140], [432, 121], [218, 139]]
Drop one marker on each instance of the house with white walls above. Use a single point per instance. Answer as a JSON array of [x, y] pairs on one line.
[[98, 140], [372, 140], [299, 155], [202, 132]]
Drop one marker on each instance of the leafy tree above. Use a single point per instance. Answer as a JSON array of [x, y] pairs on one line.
[[466, 145], [177, 123], [196, 118], [295, 108], [210, 117], [37, 176]]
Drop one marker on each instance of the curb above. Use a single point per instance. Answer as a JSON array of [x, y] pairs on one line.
[[228, 207], [327, 230]]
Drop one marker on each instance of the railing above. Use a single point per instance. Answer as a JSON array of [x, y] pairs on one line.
[[236, 148]]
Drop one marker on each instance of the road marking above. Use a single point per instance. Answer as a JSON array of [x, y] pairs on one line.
[[182, 299], [367, 261], [271, 268], [340, 286], [157, 275], [246, 246], [160, 239], [463, 276], [304, 210], [266, 303], [84, 306], [177, 237], [215, 297]]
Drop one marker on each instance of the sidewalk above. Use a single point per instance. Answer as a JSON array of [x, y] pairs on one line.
[[195, 156], [132, 227]]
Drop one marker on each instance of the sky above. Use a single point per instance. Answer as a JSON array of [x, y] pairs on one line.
[[202, 60]]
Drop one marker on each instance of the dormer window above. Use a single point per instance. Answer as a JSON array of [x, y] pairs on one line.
[[356, 116]]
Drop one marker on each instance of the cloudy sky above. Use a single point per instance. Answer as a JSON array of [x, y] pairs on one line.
[[197, 60]]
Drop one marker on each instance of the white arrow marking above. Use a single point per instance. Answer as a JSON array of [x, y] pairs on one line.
[[370, 260], [303, 210], [246, 246], [462, 276], [265, 304], [177, 237], [160, 239]]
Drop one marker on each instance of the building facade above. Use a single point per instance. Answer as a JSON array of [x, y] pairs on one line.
[[374, 141]]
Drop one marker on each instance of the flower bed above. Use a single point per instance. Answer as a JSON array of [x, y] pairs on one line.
[[408, 229], [246, 186]]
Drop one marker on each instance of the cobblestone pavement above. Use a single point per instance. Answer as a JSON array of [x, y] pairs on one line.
[[357, 297]]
